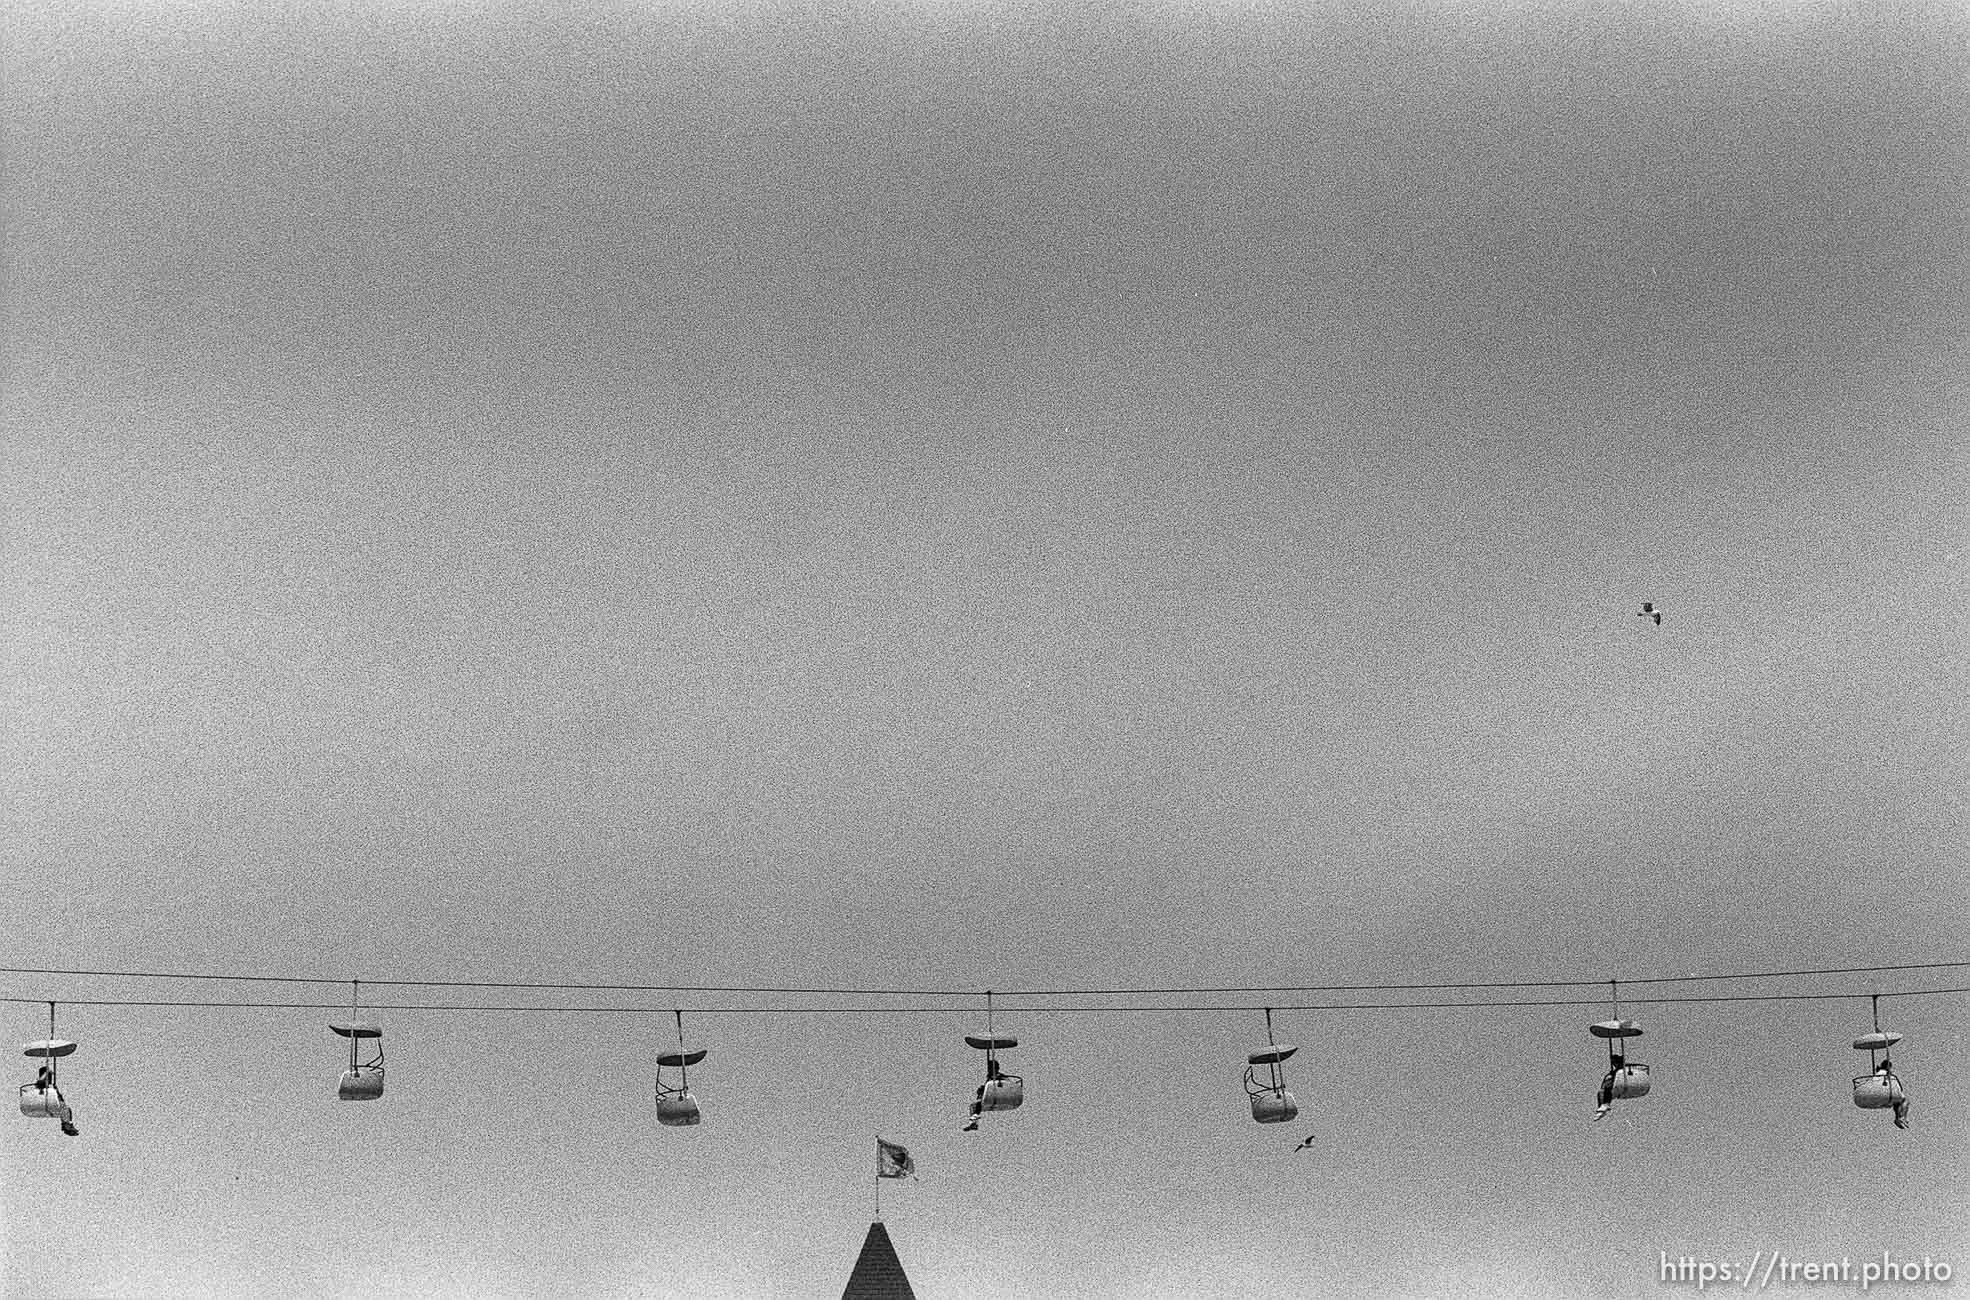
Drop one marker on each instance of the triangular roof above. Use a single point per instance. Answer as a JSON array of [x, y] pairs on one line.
[[878, 1273]]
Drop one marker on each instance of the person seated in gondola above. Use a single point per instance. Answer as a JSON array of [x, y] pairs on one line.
[[44, 1082], [992, 1072], [1604, 1102], [1897, 1090]]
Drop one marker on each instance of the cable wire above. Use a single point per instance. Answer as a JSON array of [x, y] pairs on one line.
[[815, 991], [1122, 1008]]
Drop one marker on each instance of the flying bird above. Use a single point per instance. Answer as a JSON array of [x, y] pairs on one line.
[[1307, 1142], [1650, 611]]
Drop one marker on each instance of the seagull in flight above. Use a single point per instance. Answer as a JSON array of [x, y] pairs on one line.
[[1650, 611], [1305, 1143]]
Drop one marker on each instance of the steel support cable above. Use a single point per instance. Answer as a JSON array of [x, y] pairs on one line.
[[1038, 1009], [817, 991]]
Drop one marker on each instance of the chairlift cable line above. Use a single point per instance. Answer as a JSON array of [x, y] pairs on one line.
[[821, 991], [1106, 1009]]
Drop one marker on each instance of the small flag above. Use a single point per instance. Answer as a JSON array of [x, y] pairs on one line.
[[893, 1161]]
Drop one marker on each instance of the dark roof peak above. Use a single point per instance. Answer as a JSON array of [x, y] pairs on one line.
[[878, 1273]]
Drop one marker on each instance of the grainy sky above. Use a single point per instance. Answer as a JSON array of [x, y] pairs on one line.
[[981, 496]]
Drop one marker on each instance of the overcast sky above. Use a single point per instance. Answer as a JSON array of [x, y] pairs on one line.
[[981, 496]]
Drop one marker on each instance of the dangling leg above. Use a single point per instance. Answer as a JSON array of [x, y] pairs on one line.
[[1901, 1112], [1604, 1102], [978, 1101]]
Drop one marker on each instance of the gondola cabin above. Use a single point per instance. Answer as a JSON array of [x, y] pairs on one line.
[[1881, 1088], [1000, 1091], [1626, 1079], [42, 1099], [363, 1080], [676, 1107], [1271, 1102]]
